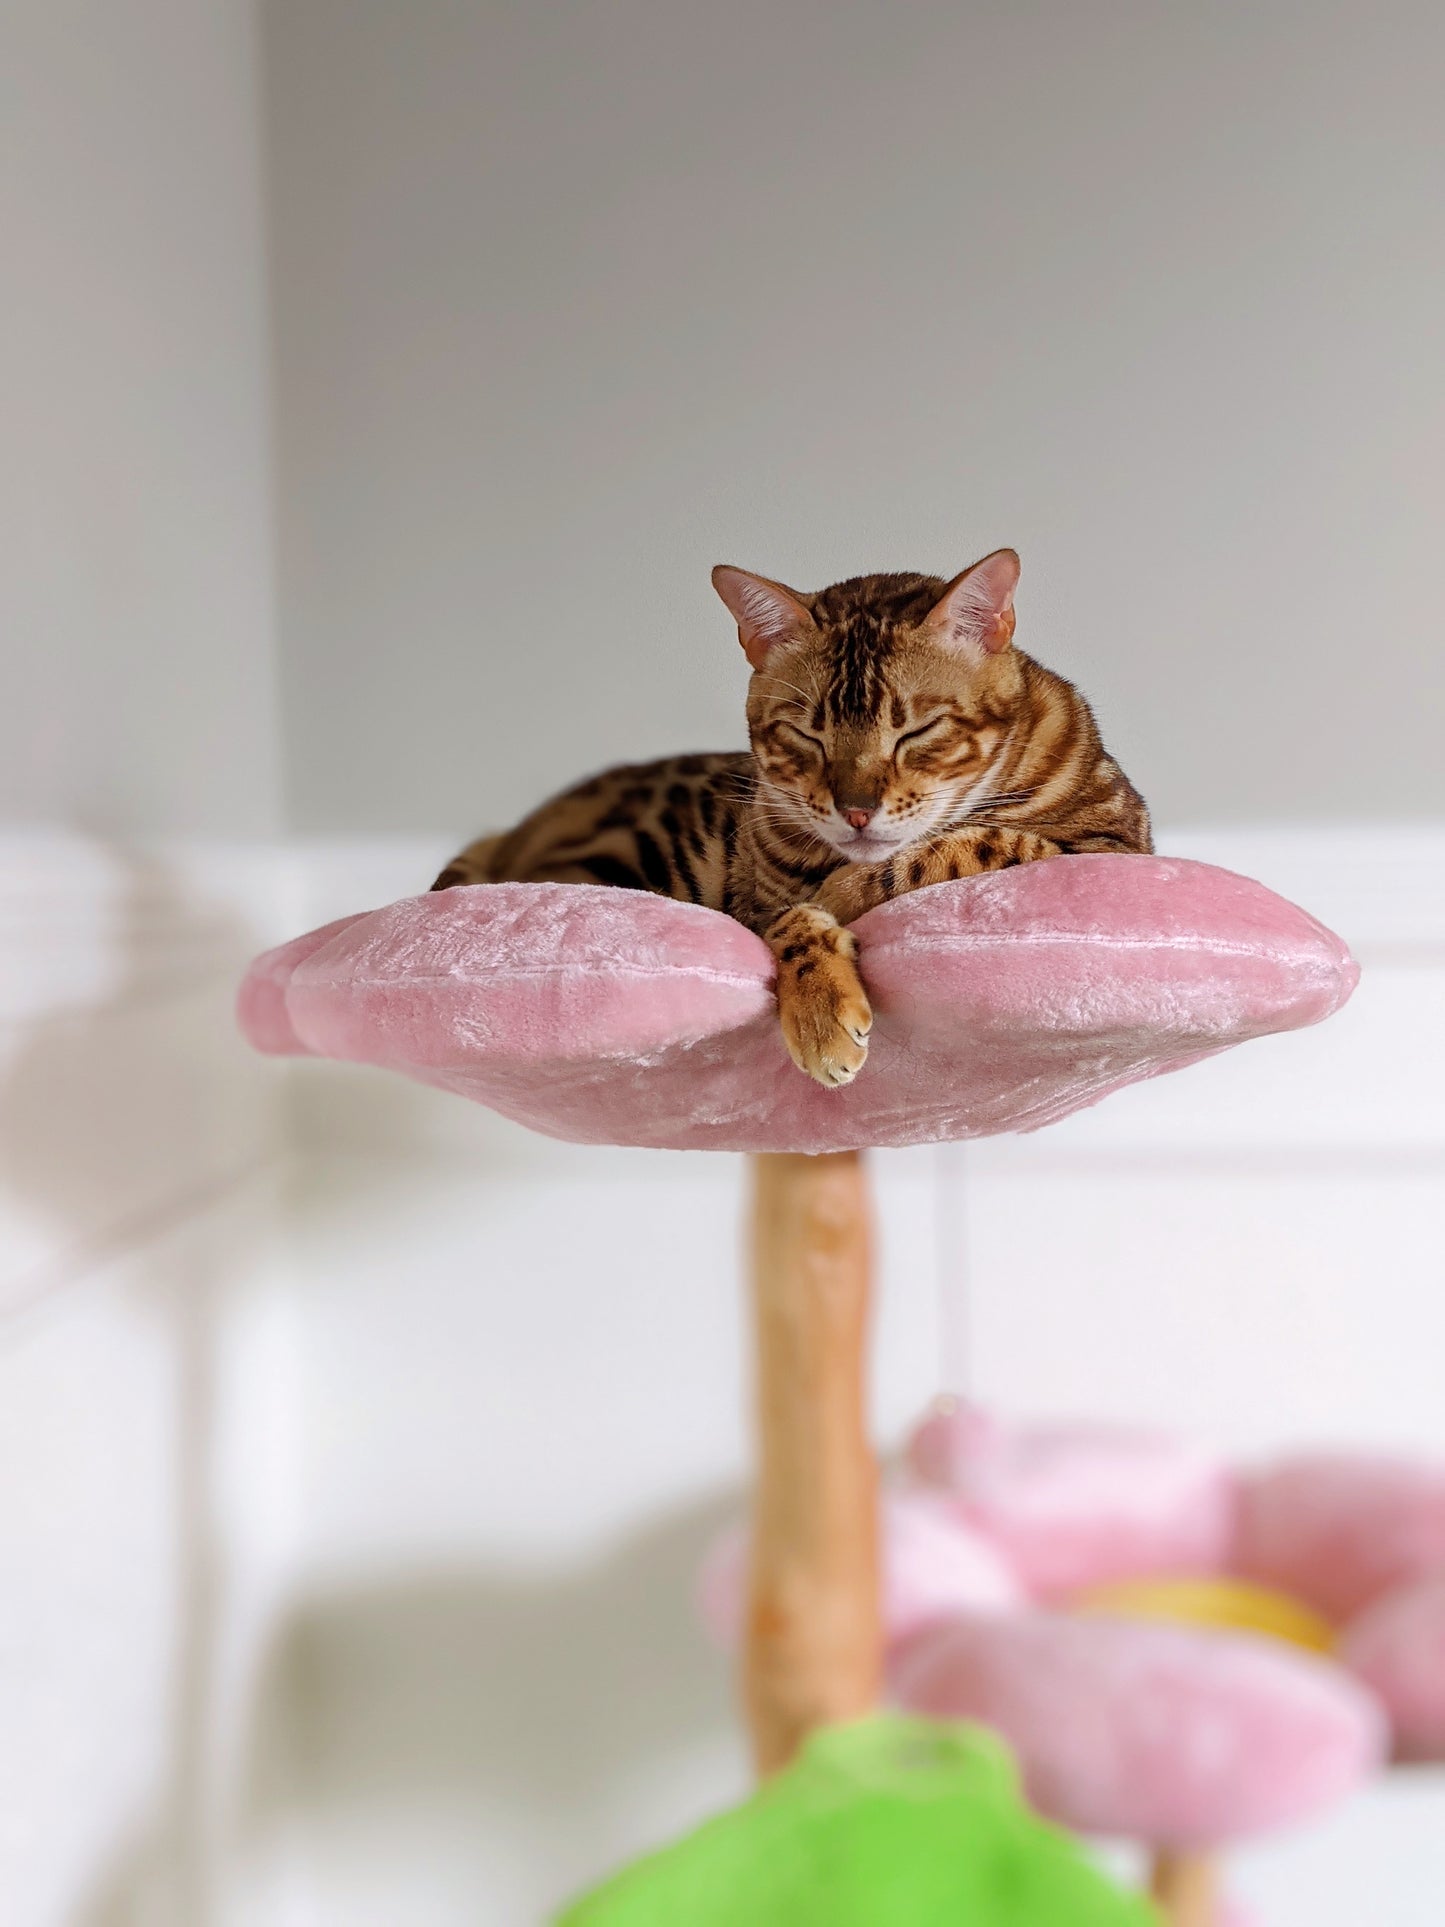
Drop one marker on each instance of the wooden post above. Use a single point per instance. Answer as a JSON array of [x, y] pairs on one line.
[[814, 1640], [1186, 1886]]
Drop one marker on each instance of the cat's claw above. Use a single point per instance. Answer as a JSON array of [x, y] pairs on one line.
[[830, 1071]]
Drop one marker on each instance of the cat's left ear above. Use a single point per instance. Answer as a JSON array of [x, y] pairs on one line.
[[766, 612], [976, 610]]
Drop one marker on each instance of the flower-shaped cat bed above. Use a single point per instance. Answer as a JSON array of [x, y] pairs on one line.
[[1030, 1578], [1001, 1002]]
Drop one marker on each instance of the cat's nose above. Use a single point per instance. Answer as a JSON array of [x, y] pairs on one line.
[[858, 819]]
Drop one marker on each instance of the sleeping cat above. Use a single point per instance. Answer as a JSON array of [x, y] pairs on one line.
[[898, 739]]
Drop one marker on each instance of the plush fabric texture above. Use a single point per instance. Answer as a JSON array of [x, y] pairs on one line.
[[934, 1566], [1179, 1733], [1397, 1648], [1077, 1506], [1001, 1002], [1342, 1529], [1180, 1738]]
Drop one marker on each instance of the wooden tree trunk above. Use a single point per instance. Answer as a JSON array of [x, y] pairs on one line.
[[1186, 1886], [814, 1641]]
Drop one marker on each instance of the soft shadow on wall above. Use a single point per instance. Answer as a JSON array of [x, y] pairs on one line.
[[544, 1711], [134, 1140]]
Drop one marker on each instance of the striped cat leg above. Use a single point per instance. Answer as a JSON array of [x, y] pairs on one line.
[[959, 853], [822, 1005]]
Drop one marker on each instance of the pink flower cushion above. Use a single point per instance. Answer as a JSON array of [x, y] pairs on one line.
[[1075, 1506], [1180, 1738], [1397, 1648], [1002, 1002], [933, 1568], [1340, 1529]]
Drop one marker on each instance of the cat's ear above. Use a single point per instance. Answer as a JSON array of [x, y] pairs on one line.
[[976, 610], [766, 613]]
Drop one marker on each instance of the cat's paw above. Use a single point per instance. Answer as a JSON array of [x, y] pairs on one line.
[[825, 1023], [822, 1005]]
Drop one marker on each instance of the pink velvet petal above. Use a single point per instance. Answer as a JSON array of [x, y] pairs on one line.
[[1158, 1733], [1397, 1648], [1075, 1506], [934, 1567], [262, 1005], [464, 984], [1002, 1002], [1341, 1529]]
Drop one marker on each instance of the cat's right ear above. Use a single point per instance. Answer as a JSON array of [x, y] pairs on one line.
[[766, 613], [976, 610]]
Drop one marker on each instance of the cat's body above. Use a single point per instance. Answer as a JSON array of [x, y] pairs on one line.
[[898, 740]]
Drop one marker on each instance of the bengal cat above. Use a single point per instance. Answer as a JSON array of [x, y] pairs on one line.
[[898, 739]]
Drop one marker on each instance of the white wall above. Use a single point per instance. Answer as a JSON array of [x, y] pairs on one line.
[[136, 628], [348, 1581], [136, 1135], [573, 304]]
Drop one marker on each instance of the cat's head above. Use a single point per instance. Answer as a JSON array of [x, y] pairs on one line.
[[878, 708]]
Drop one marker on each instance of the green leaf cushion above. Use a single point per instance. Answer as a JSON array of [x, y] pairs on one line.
[[889, 1822]]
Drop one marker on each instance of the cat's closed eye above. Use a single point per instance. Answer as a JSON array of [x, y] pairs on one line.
[[931, 735], [788, 736]]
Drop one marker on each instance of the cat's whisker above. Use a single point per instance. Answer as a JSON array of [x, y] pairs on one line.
[[1006, 799], [809, 698]]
